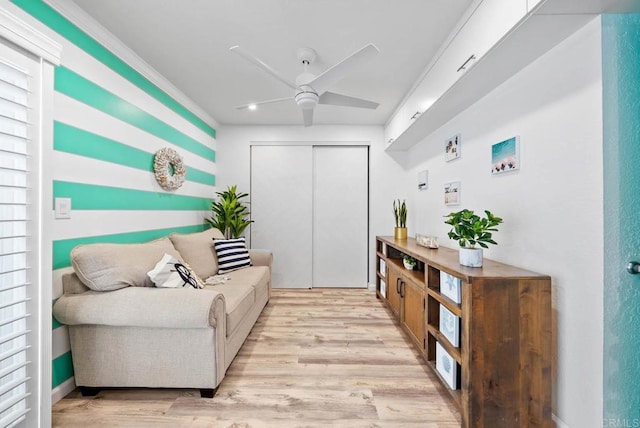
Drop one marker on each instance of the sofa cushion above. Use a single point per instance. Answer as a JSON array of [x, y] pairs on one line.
[[106, 267], [239, 299], [256, 276], [198, 251], [232, 254], [240, 291]]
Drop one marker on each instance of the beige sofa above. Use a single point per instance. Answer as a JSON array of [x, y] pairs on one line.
[[142, 336]]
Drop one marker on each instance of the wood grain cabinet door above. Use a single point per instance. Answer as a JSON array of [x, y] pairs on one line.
[[393, 290], [413, 311]]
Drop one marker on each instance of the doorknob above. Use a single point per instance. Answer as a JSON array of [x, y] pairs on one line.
[[633, 268]]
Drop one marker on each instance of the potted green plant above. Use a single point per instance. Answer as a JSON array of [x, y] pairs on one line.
[[409, 262], [469, 229], [400, 214], [229, 214]]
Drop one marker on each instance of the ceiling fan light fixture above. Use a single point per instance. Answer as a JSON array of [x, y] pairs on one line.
[[311, 90], [307, 98]]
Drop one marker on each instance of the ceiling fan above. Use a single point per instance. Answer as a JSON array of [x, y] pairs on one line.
[[311, 90]]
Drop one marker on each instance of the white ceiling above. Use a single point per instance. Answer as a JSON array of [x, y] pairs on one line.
[[188, 42]]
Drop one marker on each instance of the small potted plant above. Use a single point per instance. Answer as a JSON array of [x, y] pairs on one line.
[[469, 229], [409, 262], [400, 214]]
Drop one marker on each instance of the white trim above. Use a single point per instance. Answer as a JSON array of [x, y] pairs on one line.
[[28, 38], [60, 391], [559, 422], [309, 143], [89, 25]]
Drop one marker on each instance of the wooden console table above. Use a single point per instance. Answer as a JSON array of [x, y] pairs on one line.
[[503, 355]]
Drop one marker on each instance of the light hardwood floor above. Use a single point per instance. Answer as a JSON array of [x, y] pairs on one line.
[[315, 358]]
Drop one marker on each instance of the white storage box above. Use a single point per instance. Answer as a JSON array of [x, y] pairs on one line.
[[447, 366], [450, 326], [451, 287]]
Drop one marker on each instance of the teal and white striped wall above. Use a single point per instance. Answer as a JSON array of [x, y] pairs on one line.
[[109, 121]]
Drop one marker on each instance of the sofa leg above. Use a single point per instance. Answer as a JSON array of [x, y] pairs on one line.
[[208, 392], [88, 391]]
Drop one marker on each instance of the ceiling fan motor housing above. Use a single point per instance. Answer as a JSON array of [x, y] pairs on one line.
[[306, 97]]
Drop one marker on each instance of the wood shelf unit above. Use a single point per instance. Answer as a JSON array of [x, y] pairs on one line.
[[504, 352], [455, 394]]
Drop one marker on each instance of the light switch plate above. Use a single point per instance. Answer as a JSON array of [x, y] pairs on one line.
[[63, 207]]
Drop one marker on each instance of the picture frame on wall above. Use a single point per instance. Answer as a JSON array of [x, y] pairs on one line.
[[505, 156], [452, 147], [452, 193]]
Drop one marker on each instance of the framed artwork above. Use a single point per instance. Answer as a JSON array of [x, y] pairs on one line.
[[451, 287], [505, 156], [452, 147], [446, 366], [452, 193], [449, 326]]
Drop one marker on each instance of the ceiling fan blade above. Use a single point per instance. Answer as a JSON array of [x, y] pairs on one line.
[[348, 65], [334, 99], [277, 100], [307, 115], [256, 61]]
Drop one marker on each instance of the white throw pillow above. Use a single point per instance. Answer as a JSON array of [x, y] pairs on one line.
[[169, 272]]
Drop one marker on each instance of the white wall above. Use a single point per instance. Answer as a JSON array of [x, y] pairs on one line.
[[552, 207], [385, 174]]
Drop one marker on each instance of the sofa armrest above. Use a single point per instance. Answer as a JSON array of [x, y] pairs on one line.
[[261, 257], [144, 307]]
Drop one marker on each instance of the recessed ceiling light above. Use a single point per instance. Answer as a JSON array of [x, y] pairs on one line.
[[252, 106]]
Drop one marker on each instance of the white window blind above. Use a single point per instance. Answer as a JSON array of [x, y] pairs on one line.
[[14, 243]]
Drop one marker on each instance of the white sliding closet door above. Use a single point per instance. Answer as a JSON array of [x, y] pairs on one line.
[[340, 216], [309, 205], [281, 208]]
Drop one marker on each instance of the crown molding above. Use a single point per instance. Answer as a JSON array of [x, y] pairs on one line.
[[28, 38]]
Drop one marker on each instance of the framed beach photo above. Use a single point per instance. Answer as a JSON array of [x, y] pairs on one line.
[[505, 156], [452, 193], [452, 147]]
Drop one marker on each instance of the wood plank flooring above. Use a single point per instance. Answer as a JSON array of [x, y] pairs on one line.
[[315, 358]]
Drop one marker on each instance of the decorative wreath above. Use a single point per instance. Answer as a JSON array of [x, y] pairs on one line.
[[165, 160]]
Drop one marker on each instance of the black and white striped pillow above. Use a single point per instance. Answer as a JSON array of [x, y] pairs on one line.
[[232, 254]]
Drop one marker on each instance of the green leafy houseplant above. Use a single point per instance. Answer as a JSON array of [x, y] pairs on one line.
[[400, 213], [409, 262], [229, 214], [470, 229]]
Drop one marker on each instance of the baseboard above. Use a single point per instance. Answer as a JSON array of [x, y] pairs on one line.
[[371, 286], [559, 422], [60, 391]]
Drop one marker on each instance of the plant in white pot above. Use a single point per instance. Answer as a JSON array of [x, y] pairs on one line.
[[409, 262], [469, 229]]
